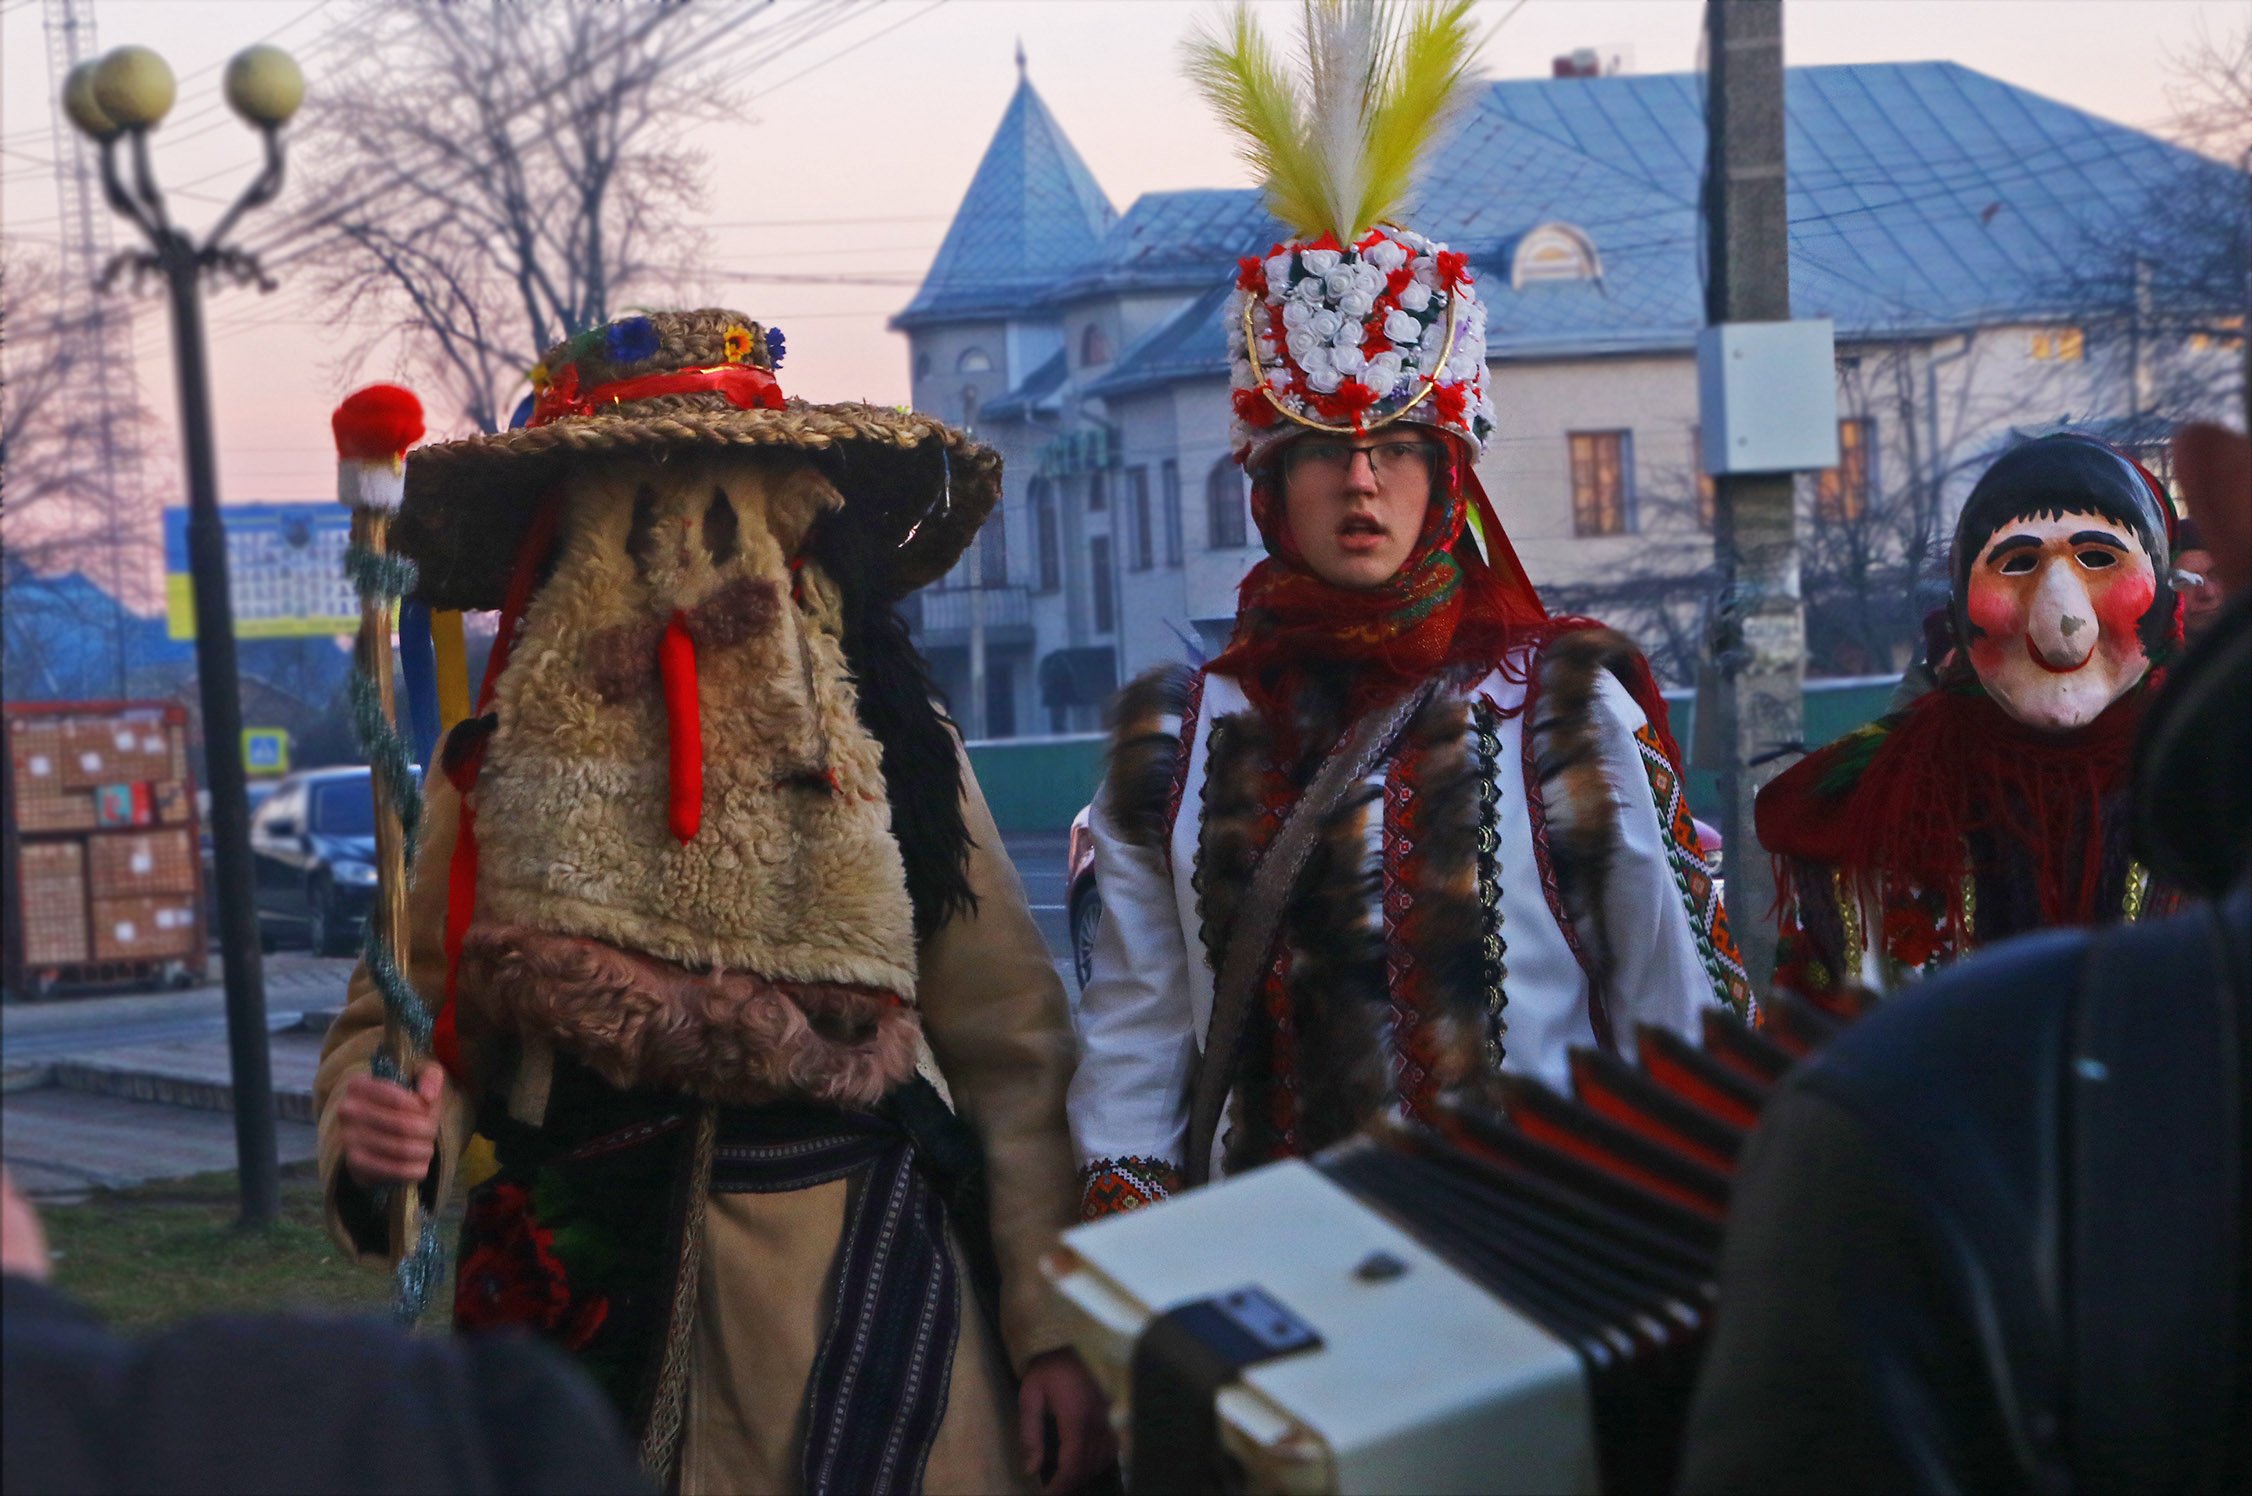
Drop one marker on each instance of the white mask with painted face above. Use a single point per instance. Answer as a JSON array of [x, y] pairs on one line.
[[2055, 607]]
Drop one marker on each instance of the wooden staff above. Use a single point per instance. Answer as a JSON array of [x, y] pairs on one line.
[[374, 427]]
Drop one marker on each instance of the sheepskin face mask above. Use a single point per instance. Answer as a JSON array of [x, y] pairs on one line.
[[2056, 603], [679, 768]]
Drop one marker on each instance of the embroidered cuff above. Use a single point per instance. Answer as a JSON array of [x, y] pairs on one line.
[[1110, 1185]]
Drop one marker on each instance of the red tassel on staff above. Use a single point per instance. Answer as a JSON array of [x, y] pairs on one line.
[[676, 666]]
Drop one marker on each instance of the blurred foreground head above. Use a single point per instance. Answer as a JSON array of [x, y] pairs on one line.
[[2193, 792]]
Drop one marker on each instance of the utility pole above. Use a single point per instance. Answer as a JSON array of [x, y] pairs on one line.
[[1759, 642]]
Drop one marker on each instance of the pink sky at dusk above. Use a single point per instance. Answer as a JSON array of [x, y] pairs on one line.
[[876, 148]]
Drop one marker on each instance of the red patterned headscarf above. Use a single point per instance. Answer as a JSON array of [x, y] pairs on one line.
[[1447, 604]]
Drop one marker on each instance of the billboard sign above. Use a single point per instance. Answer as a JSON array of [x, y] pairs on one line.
[[285, 567]]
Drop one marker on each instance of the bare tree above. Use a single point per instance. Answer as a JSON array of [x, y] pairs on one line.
[[70, 500], [495, 176], [1873, 534], [2167, 284]]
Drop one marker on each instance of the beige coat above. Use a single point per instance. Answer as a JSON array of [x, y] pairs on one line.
[[999, 1031]]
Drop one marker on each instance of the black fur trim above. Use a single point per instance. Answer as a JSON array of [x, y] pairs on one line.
[[900, 707], [1145, 748]]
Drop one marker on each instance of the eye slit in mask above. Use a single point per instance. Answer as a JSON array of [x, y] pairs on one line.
[[641, 534], [722, 530]]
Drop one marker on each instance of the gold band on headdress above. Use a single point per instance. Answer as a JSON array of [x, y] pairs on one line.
[[1430, 380]]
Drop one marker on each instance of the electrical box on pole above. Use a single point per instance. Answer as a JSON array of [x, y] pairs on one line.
[[1767, 396]]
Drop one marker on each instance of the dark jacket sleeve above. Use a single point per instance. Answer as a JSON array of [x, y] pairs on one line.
[[288, 1404], [1840, 1361]]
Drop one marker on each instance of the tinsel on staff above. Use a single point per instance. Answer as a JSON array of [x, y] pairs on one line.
[[374, 427]]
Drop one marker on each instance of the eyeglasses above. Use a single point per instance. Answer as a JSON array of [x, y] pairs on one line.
[[1388, 460]]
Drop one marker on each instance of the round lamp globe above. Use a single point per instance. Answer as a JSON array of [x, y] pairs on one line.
[[134, 87], [265, 85], [79, 103]]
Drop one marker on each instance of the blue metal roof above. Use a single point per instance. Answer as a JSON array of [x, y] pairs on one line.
[[1923, 196], [1032, 216], [1034, 388]]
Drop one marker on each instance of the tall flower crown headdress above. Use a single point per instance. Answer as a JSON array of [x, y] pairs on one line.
[[1357, 322]]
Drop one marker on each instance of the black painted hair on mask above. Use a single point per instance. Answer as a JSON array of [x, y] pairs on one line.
[[2066, 474]]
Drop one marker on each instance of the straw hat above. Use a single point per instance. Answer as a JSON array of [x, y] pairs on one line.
[[661, 381]]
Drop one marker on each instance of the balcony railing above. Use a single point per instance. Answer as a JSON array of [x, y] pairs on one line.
[[941, 615]]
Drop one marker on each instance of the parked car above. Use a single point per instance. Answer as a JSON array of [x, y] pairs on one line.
[[313, 846], [259, 792], [1082, 901]]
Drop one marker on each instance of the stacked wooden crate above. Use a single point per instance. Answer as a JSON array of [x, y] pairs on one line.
[[103, 869]]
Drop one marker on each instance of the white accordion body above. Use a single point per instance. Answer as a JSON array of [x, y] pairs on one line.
[[1422, 1380]]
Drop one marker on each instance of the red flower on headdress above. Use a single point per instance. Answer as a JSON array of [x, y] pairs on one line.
[[1327, 240], [1912, 935], [1454, 266], [1253, 409], [1251, 274], [1398, 281], [1448, 401], [1350, 401]]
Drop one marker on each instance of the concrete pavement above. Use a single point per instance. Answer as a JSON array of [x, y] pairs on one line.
[[109, 1091]]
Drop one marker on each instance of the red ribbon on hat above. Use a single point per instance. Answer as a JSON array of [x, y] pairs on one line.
[[746, 386]]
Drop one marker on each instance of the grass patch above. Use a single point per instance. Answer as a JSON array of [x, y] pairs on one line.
[[159, 1252]]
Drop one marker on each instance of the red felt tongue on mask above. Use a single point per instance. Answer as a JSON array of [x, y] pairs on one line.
[[676, 665]]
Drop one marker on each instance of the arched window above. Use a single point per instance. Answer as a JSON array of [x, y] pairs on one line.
[[1226, 501], [974, 360], [1094, 348], [1554, 252], [922, 365]]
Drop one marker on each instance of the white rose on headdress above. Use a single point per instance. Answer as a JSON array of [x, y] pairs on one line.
[[1348, 361], [1386, 255], [1434, 338], [1294, 315], [1278, 275], [1402, 327], [1414, 241], [1323, 324], [1269, 349], [1316, 359], [1338, 281], [1241, 374], [1356, 304], [1319, 261], [1308, 291], [1415, 296], [1302, 342], [1384, 371], [1465, 364], [1350, 330], [1324, 381], [1426, 271], [1367, 277]]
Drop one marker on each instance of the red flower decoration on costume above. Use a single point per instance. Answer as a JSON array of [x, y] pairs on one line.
[[1253, 408], [1448, 402], [1911, 935], [1453, 267], [512, 1277], [1251, 274], [1398, 281], [1351, 399]]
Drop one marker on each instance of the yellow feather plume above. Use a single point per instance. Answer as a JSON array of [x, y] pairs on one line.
[[1344, 159], [1236, 71], [1425, 67]]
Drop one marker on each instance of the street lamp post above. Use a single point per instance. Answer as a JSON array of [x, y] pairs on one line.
[[120, 99]]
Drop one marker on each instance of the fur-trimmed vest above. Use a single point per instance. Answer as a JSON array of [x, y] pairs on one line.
[[1519, 878]]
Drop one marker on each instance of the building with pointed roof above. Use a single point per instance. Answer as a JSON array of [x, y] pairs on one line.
[[1935, 214]]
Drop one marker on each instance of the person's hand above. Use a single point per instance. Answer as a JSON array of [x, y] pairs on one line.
[[23, 1242], [1058, 1386], [390, 1134]]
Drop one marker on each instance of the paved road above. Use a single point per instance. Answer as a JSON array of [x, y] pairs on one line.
[[298, 982]]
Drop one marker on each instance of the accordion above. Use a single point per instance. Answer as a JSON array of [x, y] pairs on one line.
[[1516, 1302]]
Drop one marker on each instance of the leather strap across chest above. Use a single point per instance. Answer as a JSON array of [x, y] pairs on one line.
[[1274, 882]]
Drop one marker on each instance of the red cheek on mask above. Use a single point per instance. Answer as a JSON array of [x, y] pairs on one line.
[[1997, 617], [2121, 604]]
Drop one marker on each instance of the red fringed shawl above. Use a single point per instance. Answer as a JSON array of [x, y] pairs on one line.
[[1953, 767]]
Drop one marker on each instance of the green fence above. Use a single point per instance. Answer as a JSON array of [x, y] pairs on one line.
[[1039, 784]]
